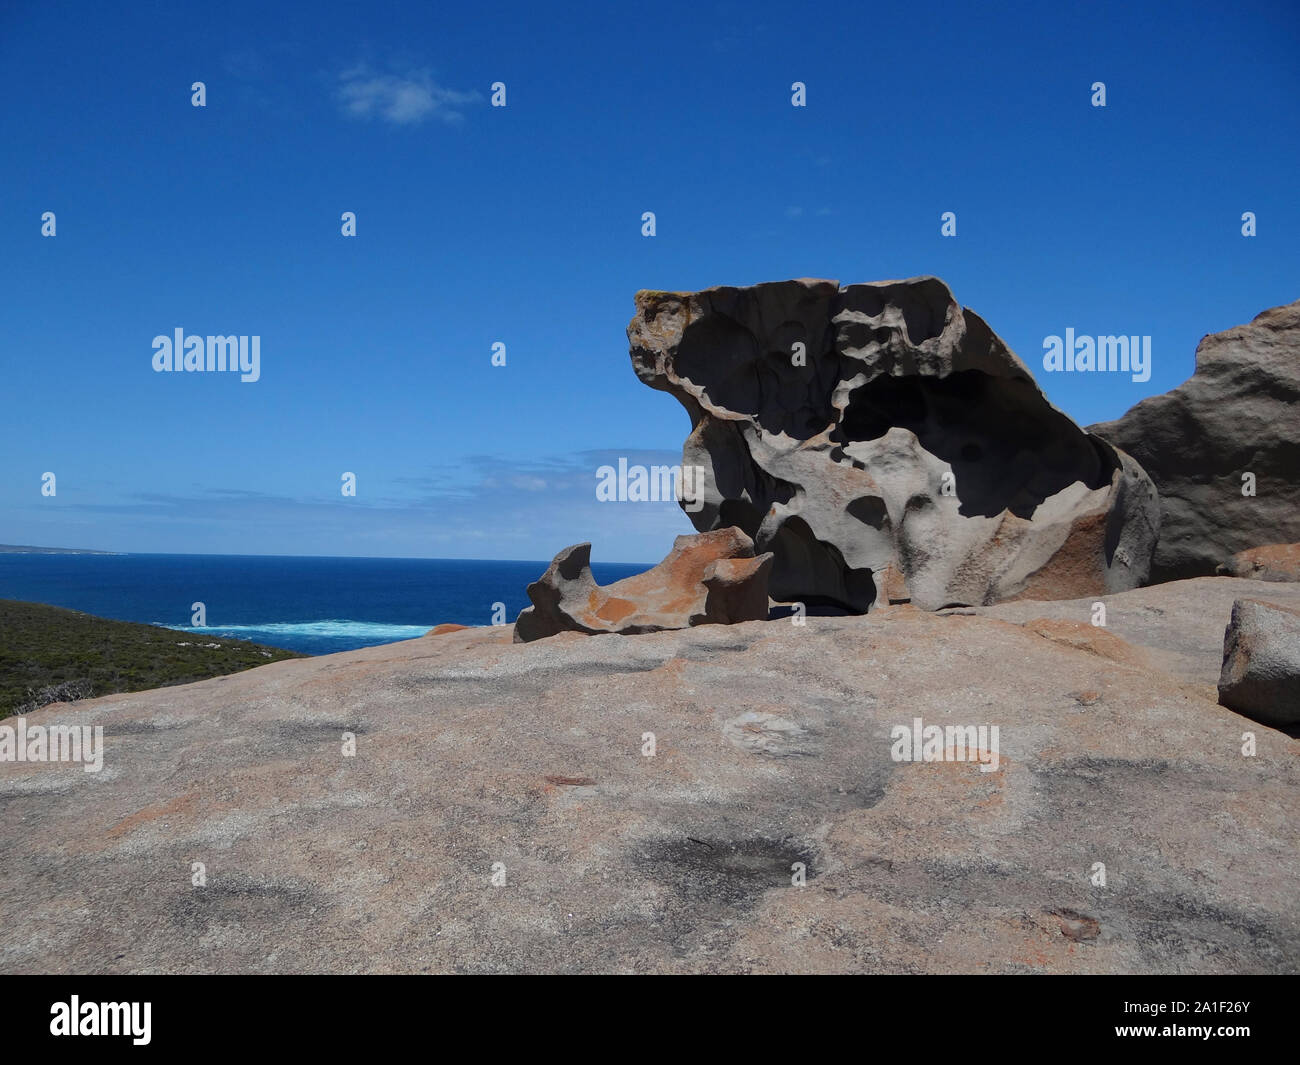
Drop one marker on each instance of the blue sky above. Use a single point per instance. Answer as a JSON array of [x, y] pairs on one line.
[[522, 225]]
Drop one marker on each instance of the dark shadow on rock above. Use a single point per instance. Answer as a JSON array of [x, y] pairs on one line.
[[1007, 448], [803, 561], [708, 871], [813, 610]]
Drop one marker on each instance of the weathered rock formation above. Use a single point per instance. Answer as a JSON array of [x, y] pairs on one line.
[[885, 444], [1238, 413], [1261, 663], [709, 578], [1274, 562]]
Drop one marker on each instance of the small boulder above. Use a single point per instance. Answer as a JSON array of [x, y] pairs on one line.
[[710, 578], [1275, 562], [1261, 663]]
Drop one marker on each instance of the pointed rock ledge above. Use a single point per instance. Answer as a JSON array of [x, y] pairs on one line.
[[885, 444], [710, 578]]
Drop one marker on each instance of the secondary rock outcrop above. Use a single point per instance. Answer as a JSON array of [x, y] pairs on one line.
[[708, 578], [1238, 414], [1261, 663], [885, 444]]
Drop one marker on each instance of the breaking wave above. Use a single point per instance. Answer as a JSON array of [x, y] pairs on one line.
[[311, 637]]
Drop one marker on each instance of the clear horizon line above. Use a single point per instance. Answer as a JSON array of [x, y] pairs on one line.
[[34, 550]]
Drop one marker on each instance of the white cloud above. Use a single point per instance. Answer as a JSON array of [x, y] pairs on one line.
[[403, 99]]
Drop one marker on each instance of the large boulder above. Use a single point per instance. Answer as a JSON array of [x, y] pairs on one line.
[[1238, 414], [707, 579], [1261, 663], [885, 444]]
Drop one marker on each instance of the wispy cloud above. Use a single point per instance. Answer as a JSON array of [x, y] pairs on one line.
[[800, 212], [483, 506], [401, 99], [246, 64]]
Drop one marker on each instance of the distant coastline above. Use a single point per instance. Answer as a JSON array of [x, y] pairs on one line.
[[20, 549]]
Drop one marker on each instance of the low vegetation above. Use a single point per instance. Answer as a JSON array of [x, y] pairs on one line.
[[48, 655]]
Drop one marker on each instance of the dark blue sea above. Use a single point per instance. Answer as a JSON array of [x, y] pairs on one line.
[[313, 605]]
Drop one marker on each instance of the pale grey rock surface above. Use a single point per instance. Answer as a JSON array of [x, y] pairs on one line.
[[773, 747], [1178, 625]]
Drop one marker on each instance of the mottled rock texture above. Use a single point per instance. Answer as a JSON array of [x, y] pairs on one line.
[[707, 579], [773, 747], [1261, 663], [1177, 626], [1238, 413], [885, 444]]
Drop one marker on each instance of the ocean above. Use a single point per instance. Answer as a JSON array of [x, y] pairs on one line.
[[312, 605]]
